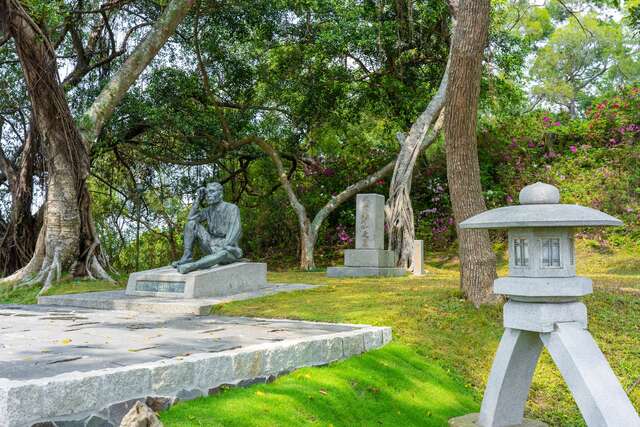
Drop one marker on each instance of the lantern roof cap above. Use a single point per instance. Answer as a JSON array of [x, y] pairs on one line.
[[540, 207]]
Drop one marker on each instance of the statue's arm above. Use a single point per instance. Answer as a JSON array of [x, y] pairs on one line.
[[195, 214]]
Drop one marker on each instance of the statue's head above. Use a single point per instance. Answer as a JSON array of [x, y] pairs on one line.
[[214, 193]]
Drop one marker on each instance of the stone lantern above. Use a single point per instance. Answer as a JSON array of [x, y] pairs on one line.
[[544, 309]]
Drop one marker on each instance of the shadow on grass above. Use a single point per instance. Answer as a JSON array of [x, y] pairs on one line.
[[392, 386]]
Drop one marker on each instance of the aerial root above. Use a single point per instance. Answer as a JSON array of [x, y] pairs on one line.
[[97, 271]]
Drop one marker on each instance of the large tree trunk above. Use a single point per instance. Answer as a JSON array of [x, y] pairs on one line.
[[67, 159], [477, 260], [68, 240], [307, 245]]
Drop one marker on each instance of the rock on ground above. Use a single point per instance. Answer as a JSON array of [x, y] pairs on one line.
[[141, 416]]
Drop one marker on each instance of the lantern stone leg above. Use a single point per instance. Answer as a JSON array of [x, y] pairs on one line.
[[510, 378], [594, 386]]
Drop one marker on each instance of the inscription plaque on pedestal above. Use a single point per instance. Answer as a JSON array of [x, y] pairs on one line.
[[159, 286]]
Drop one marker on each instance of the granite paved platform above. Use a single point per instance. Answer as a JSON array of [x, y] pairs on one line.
[[86, 367], [118, 300]]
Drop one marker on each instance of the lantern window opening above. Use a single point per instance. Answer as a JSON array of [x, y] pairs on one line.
[[521, 252], [551, 253]]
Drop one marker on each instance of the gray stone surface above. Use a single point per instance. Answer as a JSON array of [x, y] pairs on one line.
[[418, 257], [524, 216], [508, 385], [141, 415], [540, 289], [217, 281], [471, 420], [540, 207], [534, 238], [87, 364], [542, 317], [595, 388], [365, 271], [369, 221], [118, 300], [539, 193], [369, 258]]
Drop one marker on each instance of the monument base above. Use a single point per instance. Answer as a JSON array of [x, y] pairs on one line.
[[218, 281], [369, 258], [471, 420], [365, 271]]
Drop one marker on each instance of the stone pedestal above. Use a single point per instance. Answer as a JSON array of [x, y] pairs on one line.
[[418, 257], [218, 281], [369, 258]]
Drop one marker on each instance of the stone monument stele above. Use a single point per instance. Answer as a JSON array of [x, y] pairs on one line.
[[544, 309], [369, 258], [216, 228]]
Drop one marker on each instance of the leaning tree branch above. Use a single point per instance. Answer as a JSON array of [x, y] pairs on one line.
[[398, 209], [298, 207], [105, 104], [348, 193]]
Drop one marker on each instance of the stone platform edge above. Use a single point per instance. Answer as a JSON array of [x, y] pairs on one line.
[[99, 396], [347, 271], [119, 300]]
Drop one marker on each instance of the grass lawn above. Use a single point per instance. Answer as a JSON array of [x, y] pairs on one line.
[[392, 386], [434, 329], [437, 365]]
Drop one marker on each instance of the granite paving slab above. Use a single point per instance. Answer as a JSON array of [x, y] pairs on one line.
[[86, 366], [119, 300]]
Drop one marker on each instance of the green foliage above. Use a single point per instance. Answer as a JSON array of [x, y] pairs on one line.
[[48, 13], [582, 57]]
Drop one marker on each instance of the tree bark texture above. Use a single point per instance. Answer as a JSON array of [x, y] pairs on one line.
[[477, 260], [309, 229], [398, 209], [67, 159]]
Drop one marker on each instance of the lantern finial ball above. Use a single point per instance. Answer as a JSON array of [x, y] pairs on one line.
[[539, 194]]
